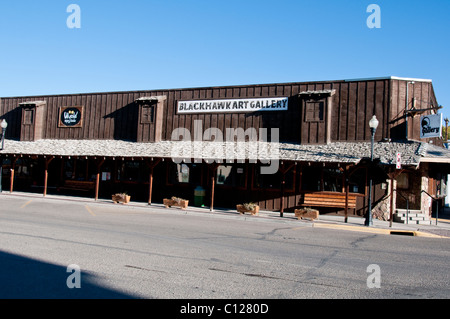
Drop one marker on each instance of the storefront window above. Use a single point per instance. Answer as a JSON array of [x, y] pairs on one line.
[[332, 180], [69, 169], [129, 171], [107, 170], [317, 179], [79, 169], [311, 179], [185, 173], [357, 181], [181, 173], [273, 181], [22, 168], [231, 175]]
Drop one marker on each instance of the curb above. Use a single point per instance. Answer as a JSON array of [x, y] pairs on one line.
[[318, 224], [378, 230]]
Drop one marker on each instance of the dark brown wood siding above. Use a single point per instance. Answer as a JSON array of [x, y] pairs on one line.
[[420, 95], [115, 115]]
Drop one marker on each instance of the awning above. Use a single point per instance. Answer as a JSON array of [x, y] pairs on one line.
[[412, 152]]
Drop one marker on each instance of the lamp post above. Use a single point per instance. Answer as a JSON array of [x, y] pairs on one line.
[[4, 125], [446, 130], [373, 124]]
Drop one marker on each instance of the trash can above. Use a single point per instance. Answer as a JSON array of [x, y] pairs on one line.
[[199, 196]]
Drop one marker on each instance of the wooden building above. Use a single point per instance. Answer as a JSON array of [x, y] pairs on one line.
[[281, 145]]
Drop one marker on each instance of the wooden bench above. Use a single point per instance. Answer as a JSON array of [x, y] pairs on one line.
[[328, 199], [78, 185]]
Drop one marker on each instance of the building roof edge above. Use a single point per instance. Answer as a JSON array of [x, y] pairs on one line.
[[390, 78]]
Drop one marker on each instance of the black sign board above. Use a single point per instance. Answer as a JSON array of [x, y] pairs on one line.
[[71, 116]]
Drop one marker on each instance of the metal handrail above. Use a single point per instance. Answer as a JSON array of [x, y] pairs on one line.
[[437, 208], [407, 205]]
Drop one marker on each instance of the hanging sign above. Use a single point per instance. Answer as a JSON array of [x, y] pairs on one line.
[[399, 161], [70, 116], [431, 126], [233, 106]]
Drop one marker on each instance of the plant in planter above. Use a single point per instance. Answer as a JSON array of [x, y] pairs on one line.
[[251, 208], [176, 201], [121, 197], [307, 212]]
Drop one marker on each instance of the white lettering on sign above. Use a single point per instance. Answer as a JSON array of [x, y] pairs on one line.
[[233, 106]]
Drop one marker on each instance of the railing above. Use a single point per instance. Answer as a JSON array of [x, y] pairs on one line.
[[437, 206], [407, 205]]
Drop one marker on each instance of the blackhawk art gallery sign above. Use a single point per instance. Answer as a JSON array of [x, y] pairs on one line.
[[233, 106]]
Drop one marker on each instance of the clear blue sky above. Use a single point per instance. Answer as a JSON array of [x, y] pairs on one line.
[[137, 44]]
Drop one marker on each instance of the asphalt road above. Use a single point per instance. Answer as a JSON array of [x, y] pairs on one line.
[[143, 252]]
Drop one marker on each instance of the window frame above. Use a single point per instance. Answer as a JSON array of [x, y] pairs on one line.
[[245, 173], [318, 112]]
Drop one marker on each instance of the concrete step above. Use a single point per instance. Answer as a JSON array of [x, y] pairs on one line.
[[414, 222], [414, 216], [411, 211], [411, 217]]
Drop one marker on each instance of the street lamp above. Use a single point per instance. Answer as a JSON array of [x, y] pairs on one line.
[[446, 130], [373, 124], [4, 125]]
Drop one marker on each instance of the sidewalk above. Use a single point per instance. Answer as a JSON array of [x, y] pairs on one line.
[[441, 229]]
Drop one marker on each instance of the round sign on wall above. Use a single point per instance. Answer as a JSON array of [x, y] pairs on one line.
[[70, 116]]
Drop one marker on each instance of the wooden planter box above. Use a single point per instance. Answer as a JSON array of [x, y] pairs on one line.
[[306, 213], [242, 210], [119, 198], [170, 202]]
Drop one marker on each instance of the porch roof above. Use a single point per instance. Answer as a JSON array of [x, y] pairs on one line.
[[434, 154], [412, 152]]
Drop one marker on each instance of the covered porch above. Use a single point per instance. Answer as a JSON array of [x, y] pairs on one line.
[[332, 177]]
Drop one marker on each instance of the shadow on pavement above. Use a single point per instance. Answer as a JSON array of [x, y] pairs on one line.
[[443, 213], [26, 278]]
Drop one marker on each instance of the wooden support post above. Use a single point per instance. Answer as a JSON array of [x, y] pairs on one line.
[[393, 176], [97, 184], [346, 197], [11, 180], [151, 165], [349, 170], [213, 180], [213, 169], [47, 162], [97, 179], [13, 166], [150, 185], [283, 170]]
